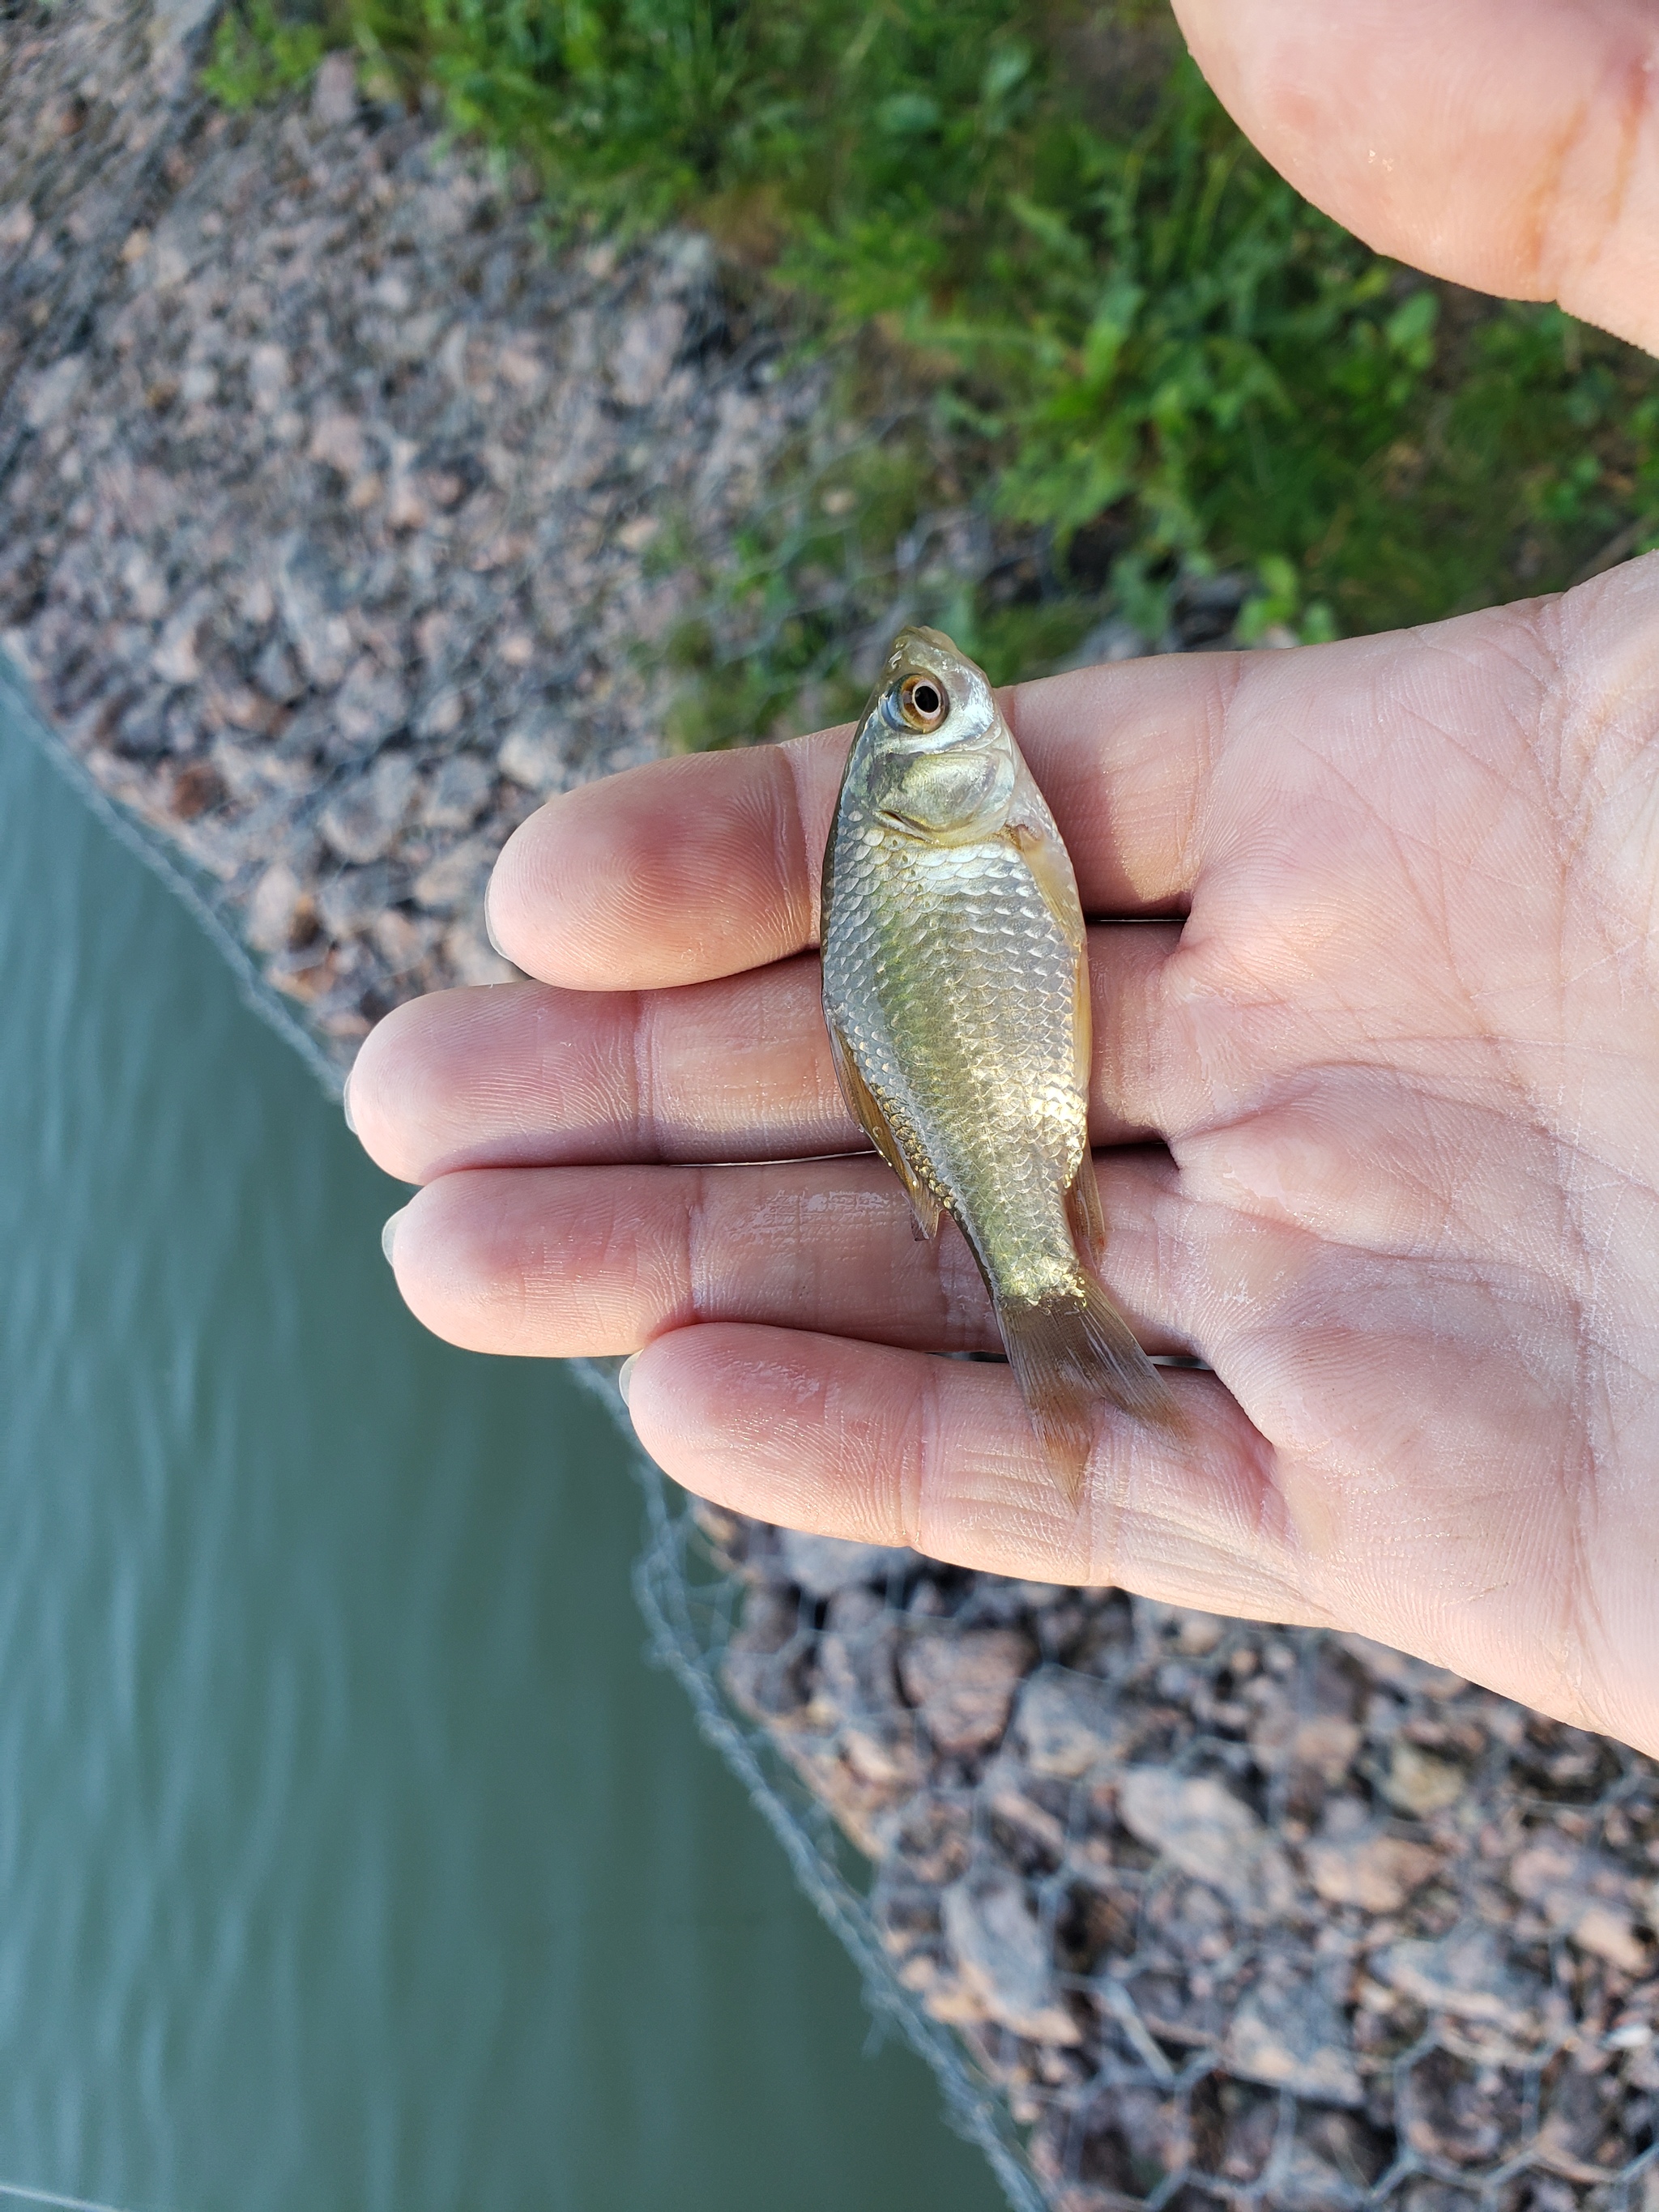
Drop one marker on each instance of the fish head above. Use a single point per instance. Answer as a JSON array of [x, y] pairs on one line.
[[933, 754]]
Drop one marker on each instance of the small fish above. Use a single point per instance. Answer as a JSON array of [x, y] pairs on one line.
[[956, 989]]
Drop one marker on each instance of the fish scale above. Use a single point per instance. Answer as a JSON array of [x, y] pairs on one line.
[[964, 915]]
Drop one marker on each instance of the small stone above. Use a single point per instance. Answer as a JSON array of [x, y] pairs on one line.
[[442, 715], [764, 1659], [1208, 1833], [197, 790], [1326, 1744], [361, 820], [276, 674], [308, 600], [334, 92], [1377, 1873], [277, 910], [404, 507], [1003, 1792], [169, 265], [964, 1685], [53, 390], [519, 365], [1064, 1721], [402, 940], [1419, 1782], [145, 586], [1610, 1934], [370, 705], [1467, 1974], [460, 790], [142, 731], [535, 755], [1289, 2034], [646, 351], [1195, 1634], [337, 440], [267, 376], [177, 658], [240, 707], [822, 1566], [456, 878], [351, 901], [1004, 1957]]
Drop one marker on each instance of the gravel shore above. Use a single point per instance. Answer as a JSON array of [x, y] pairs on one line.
[[333, 537], [1252, 1911], [340, 523]]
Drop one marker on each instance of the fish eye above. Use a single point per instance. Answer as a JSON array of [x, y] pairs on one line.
[[923, 702]]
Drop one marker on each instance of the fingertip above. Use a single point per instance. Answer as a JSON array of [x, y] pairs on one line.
[[452, 1262], [669, 873], [398, 1100]]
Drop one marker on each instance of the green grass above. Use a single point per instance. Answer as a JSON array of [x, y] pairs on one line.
[[1121, 333], [257, 54]]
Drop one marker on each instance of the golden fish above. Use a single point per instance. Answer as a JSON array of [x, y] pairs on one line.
[[955, 988]]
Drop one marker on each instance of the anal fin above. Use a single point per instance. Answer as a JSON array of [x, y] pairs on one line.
[[866, 1110], [1085, 1212]]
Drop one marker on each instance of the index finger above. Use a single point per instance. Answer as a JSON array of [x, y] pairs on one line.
[[702, 867]]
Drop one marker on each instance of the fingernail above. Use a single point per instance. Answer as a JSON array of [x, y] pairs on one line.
[[489, 931], [345, 1106], [389, 1233], [625, 1375]]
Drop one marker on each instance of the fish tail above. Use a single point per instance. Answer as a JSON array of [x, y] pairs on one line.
[[1069, 1355]]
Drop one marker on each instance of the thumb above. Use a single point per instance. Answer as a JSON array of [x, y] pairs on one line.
[[1512, 145]]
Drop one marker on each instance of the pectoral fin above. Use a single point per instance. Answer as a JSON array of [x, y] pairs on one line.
[[1051, 871], [866, 1110]]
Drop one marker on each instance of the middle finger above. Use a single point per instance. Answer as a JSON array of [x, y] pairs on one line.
[[563, 1262], [526, 1075]]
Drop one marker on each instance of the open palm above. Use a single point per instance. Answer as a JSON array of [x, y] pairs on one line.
[[1379, 1131]]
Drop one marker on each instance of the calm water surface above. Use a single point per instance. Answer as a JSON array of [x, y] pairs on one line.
[[350, 1855]]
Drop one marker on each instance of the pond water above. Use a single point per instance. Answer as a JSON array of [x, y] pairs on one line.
[[350, 1854]]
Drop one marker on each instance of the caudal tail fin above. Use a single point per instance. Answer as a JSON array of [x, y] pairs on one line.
[[1068, 1355]]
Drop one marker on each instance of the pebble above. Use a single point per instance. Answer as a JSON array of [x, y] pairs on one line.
[[364, 818], [964, 1686], [1004, 1956]]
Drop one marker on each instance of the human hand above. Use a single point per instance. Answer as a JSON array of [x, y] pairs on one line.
[[1512, 145], [1403, 1052]]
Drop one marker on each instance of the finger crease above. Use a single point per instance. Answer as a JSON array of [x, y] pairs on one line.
[[793, 862], [695, 1287], [643, 1049], [921, 1454]]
